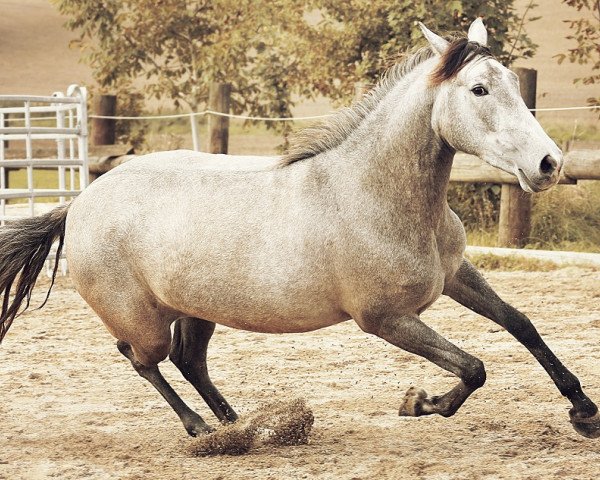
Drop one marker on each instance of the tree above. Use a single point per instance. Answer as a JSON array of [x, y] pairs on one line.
[[178, 47], [271, 51], [360, 38], [586, 33]]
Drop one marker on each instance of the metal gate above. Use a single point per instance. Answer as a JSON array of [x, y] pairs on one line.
[[43, 145]]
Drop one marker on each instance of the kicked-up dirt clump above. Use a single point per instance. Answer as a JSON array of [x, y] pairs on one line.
[[276, 423]]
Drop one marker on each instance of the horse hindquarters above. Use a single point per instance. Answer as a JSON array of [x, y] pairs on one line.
[[142, 329], [105, 276]]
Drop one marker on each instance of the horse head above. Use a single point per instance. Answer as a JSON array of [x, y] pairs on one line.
[[479, 110]]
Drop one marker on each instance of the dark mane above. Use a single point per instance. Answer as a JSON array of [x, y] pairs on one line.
[[460, 52], [330, 133]]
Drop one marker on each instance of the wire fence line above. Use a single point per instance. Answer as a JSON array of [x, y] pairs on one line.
[[284, 119], [212, 112], [263, 119], [192, 116]]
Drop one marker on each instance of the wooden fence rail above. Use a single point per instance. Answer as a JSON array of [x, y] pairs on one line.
[[579, 165]]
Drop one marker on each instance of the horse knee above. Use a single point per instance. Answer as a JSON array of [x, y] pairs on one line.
[[519, 326], [475, 375]]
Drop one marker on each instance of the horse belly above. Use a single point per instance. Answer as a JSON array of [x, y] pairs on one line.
[[273, 278], [259, 303], [272, 321], [216, 247], [392, 280]]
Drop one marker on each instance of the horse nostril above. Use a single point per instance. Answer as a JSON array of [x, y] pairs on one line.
[[548, 165]]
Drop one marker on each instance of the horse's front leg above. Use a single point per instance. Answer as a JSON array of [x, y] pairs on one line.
[[470, 289], [411, 334]]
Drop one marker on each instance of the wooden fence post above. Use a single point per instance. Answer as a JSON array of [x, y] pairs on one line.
[[103, 129], [6, 145], [219, 100], [515, 204], [6, 124]]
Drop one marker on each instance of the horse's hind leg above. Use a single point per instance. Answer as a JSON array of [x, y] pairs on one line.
[[192, 422], [133, 316], [411, 334], [470, 289], [188, 353], [151, 349]]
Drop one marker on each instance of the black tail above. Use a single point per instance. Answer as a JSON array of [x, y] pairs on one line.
[[24, 246]]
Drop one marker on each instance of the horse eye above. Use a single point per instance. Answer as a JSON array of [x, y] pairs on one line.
[[479, 91]]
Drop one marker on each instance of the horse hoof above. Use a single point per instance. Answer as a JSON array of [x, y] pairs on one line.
[[588, 427], [412, 404], [195, 431], [195, 426]]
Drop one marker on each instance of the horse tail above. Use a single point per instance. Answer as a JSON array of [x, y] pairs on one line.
[[24, 246]]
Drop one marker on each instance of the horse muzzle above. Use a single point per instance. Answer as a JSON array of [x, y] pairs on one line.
[[544, 177]]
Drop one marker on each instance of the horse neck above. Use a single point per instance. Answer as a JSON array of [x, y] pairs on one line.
[[396, 157]]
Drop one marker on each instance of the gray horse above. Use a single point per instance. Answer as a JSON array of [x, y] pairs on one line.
[[353, 223]]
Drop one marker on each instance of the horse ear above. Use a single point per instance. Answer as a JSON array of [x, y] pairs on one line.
[[477, 32], [438, 44]]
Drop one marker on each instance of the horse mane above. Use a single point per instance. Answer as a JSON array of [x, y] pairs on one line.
[[332, 132], [460, 52]]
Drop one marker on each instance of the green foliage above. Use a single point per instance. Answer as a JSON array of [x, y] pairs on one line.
[[586, 34], [359, 38], [272, 52], [567, 216], [476, 204], [179, 47], [563, 132]]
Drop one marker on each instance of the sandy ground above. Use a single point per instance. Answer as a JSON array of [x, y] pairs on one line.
[[71, 407]]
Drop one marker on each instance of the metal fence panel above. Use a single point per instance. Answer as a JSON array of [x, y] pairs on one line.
[[27, 122]]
